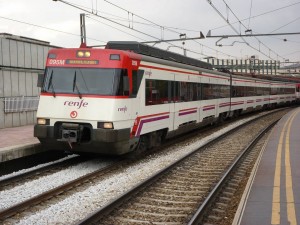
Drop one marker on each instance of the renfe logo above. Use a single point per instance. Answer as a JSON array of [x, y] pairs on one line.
[[123, 109], [77, 104]]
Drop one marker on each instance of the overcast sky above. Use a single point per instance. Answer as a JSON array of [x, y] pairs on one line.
[[141, 20]]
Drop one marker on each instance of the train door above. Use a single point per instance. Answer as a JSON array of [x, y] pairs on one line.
[[137, 91], [174, 94]]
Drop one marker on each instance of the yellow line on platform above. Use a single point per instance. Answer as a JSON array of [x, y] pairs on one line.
[[289, 188], [276, 188], [288, 178]]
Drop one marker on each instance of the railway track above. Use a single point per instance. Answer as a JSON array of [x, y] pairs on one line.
[[17, 208], [173, 195], [207, 179], [218, 204], [40, 171]]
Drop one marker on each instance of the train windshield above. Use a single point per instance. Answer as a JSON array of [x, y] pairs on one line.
[[80, 81]]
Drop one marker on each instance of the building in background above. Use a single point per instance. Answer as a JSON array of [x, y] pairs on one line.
[[252, 65], [21, 59]]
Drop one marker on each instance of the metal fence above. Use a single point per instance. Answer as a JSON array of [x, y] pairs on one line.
[[21, 104]]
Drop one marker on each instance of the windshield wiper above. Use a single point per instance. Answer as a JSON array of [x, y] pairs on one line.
[[75, 86], [51, 84]]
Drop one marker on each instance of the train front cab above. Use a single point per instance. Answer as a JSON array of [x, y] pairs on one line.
[[73, 116]]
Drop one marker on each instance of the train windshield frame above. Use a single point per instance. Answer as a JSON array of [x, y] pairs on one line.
[[93, 81]]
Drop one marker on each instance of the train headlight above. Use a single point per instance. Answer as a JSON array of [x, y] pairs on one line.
[[42, 121], [80, 54], [105, 125], [83, 54]]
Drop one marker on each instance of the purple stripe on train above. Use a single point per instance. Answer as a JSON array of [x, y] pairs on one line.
[[149, 121], [209, 108], [187, 112], [224, 104], [237, 103]]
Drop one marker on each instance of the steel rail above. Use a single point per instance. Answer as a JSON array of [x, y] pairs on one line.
[[28, 174], [108, 208], [200, 213], [58, 190]]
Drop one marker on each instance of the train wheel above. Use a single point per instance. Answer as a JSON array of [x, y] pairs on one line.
[[222, 118], [236, 113], [141, 147], [143, 144]]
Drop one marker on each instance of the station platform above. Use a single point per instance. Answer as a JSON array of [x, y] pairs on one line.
[[18, 142], [272, 195]]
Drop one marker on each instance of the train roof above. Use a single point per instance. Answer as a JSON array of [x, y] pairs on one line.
[[144, 49]]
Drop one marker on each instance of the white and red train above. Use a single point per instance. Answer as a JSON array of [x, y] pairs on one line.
[[130, 95]]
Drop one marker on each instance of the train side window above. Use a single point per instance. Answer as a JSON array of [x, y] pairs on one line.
[[207, 92], [250, 91], [259, 91], [176, 93], [137, 76], [215, 91], [234, 91], [274, 91], [123, 84], [157, 92], [199, 91], [224, 91], [238, 91], [149, 92], [170, 88]]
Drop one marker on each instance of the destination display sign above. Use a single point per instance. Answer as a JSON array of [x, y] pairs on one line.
[[82, 61]]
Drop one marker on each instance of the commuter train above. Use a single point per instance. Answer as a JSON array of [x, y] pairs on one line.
[[131, 96], [298, 93]]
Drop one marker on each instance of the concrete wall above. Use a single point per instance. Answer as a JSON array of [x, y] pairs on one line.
[[21, 59]]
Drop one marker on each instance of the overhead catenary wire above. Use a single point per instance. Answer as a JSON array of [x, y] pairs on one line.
[[237, 32], [262, 14], [86, 9], [167, 28], [89, 38], [143, 18], [150, 23], [115, 28], [260, 42], [250, 15], [47, 28], [285, 25], [253, 17]]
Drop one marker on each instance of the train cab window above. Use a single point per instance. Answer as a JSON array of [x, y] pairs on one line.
[[123, 84], [94, 81]]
